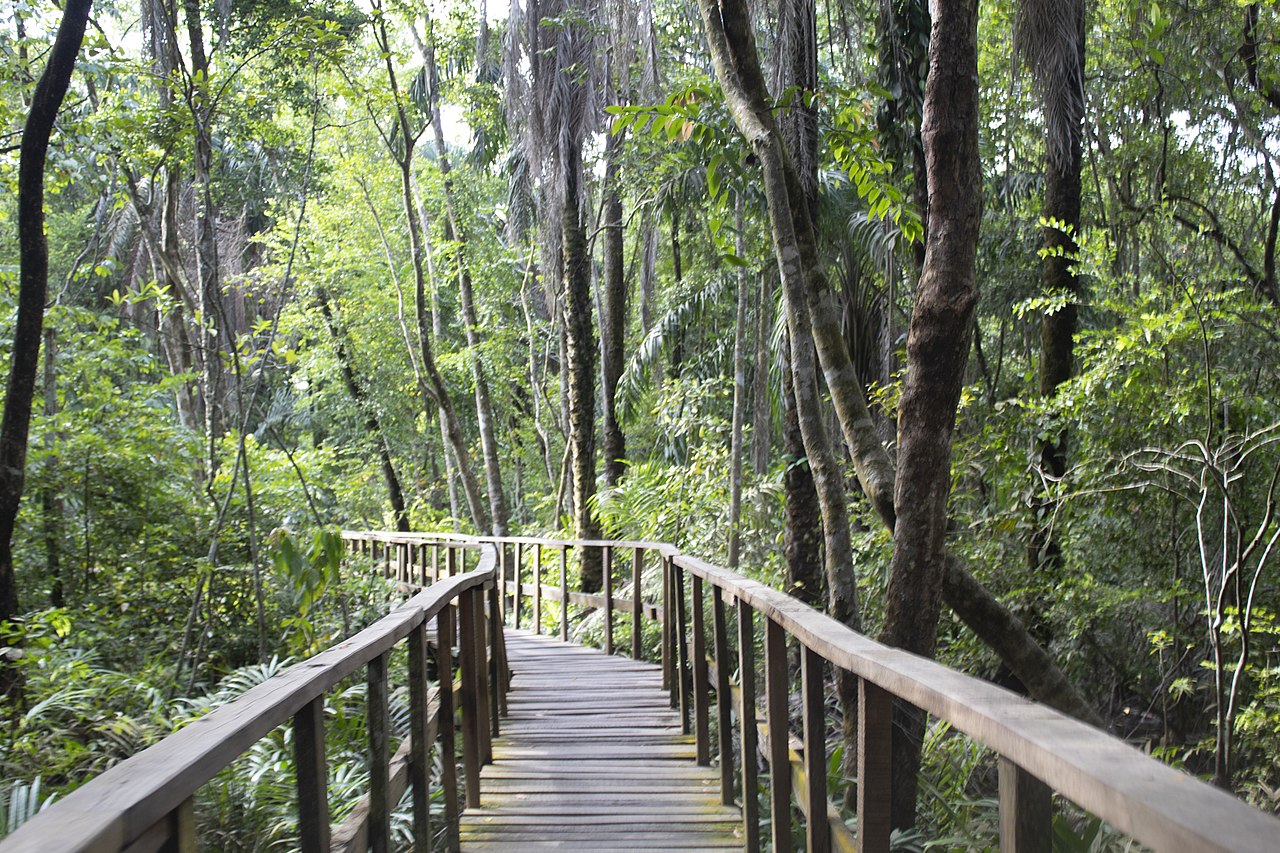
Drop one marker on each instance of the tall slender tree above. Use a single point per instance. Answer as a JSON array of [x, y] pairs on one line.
[[33, 284]]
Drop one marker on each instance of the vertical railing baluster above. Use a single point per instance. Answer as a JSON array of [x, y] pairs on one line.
[[724, 698], [701, 687], [564, 593], [471, 700], [875, 763], [448, 762], [450, 560], [1026, 811], [776, 686], [379, 827], [637, 602], [817, 830], [420, 749], [669, 679], [537, 589], [182, 830], [747, 727], [312, 775], [497, 699], [682, 647], [484, 691], [435, 561], [606, 559], [516, 606]]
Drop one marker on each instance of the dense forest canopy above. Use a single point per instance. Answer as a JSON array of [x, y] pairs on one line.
[[957, 320]]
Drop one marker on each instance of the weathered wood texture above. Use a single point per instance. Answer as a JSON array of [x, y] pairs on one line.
[[592, 757]]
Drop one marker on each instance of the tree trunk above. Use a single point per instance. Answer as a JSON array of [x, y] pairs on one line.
[[471, 323], [580, 345], [761, 419], [613, 316], [404, 158], [802, 539], [937, 351], [1061, 205], [395, 494], [212, 321], [739, 405], [51, 498], [737, 68], [33, 283]]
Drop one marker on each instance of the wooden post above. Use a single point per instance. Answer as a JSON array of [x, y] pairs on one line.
[[435, 561], [724, 725], [747, 727], [537, 589], [471, 699], [776, 686], [817, 835], [448, 763], [420, 749], [313, 777], [1026, 811], [182, 828], [875, 764], [669, 679], [606, 560], [519, 594], [701, 687], [379, 827], [637, 602], [497, 667], [682, 647], [564, 593], [450, 560], [485, 690]]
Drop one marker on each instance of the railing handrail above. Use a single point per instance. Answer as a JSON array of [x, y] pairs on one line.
[[1158, 805], [114, 809]]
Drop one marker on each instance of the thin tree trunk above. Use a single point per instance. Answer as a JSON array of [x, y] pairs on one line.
[[613, 316], [404, 159], [761, 420], [395, 494], [51, 498], [471, 323], [213, 326], [33, 282], [739, 405]]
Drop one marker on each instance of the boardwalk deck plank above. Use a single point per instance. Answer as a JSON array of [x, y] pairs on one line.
[[592, 758]]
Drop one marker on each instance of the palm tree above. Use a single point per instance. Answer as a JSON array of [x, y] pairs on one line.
[[1049, 35]]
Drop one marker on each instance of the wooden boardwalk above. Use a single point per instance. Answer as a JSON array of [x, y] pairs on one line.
[[592, 758]]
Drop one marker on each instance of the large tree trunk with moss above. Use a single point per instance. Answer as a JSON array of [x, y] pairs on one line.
[[33, 283], [802, 529], [581, 350], [937, 350]]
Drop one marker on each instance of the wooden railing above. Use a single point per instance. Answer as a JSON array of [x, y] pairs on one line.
[[147, 803], [1040, 750]]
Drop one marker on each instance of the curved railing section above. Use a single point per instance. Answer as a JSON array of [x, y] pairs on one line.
[[1041, 751], [147, 803]]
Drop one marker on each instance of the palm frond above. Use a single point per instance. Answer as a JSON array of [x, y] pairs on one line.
[[638, 373], [1049, 36]]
